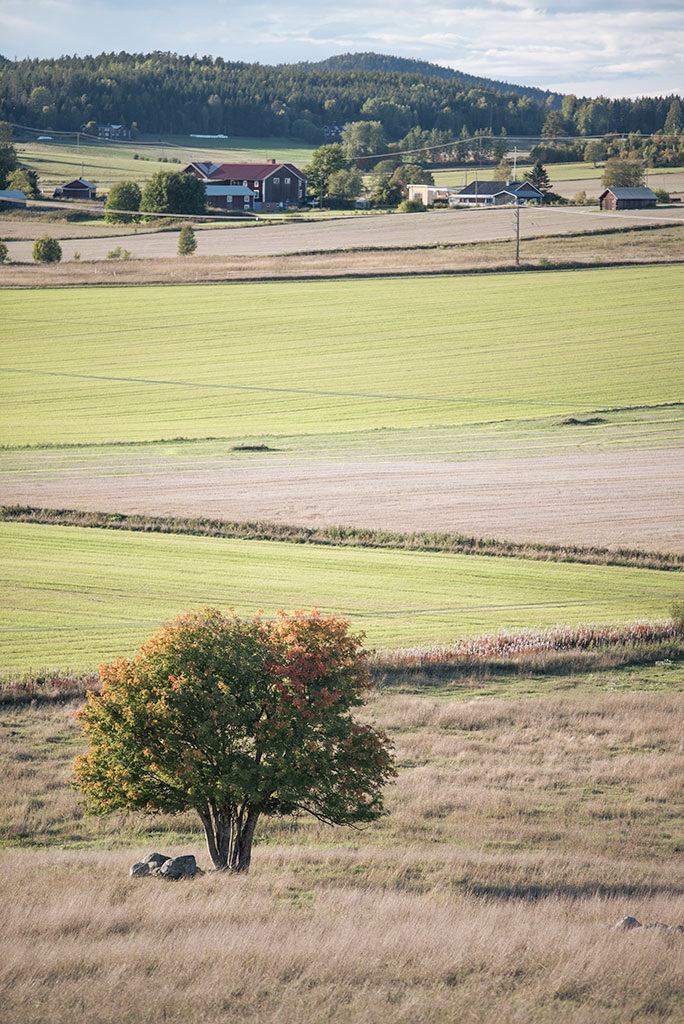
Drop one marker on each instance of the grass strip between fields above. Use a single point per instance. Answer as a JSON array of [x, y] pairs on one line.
[[344, 536]]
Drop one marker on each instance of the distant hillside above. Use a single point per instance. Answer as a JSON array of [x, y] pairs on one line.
[[409, 66], [418, 104]]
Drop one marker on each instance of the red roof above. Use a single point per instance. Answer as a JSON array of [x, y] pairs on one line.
[[246, 172]]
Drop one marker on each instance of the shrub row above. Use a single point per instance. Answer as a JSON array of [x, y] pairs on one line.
[[343, 536]]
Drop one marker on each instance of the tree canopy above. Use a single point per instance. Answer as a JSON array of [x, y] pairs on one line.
[[623, 173], [47, 250], [173, 192], [538, 176], [124, 195], [236, 719]]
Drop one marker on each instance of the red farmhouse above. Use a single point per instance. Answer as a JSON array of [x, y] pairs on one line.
[[273, 184]]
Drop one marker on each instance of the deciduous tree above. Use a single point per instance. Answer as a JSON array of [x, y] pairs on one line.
[[124, 195], [173, 192], [236, 720], [623, 173], [324, 162]]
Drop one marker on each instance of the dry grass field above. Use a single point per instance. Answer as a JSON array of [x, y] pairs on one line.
[[394, 230], [519, 832], [663, 244]]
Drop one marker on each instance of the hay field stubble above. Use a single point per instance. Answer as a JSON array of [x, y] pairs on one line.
[[518, 833]]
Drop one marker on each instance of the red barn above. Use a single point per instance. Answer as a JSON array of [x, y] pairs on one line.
[[79, 188], [274, 185], [621, 198]]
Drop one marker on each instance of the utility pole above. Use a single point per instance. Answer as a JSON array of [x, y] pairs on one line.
[[517, 233], [515, 163]]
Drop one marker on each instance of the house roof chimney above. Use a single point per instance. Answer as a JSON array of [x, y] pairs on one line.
[[271, 161]]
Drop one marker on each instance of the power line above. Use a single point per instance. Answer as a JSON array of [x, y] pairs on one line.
[[281, 390]]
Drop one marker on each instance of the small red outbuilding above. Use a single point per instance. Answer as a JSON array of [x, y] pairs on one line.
[[638, 198]]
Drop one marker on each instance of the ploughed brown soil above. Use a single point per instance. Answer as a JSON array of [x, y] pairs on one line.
[[630, 497]]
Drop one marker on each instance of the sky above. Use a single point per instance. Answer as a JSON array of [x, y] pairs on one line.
[[588, 47]]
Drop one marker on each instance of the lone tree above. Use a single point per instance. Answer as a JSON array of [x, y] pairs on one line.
[[187, 243], [47, 250], [236, 720], [124, 195]]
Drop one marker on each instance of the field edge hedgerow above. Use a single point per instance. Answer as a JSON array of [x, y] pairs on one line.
[[343, 536]]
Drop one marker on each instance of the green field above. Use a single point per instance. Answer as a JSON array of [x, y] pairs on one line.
[[144, 363], [73, 596], [104, 163], [557, 172]]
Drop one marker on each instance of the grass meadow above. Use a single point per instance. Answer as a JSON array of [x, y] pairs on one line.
[[90, 365], [557, 172], [518, 833], [104, 163], [73, 596]]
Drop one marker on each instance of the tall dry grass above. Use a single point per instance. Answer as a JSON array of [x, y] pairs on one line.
[[81, 942], [518, 833]]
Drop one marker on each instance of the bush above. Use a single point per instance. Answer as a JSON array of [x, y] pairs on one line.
[[47, 250], [661, 195], [412, 206], [187, 243], [119, 254], [3, 252]]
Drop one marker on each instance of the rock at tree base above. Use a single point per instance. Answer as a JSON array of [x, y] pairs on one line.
[[179, 867], [155, 860], [162, 866]]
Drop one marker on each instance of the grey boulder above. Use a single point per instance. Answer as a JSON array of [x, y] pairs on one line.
[[179, 867], [139, 870]]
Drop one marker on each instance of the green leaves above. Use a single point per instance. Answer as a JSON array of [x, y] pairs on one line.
[[245, 717]]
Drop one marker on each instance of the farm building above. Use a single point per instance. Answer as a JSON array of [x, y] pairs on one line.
[[79, 188], [429, 193], [113, 131], [637, 198], [275, 185], [12, 199], [498, 193]]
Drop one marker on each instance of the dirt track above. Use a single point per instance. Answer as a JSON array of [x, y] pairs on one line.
[[400, 230], [629, 498]]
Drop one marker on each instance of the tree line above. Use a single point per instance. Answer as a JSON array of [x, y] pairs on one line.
[[171, 94]]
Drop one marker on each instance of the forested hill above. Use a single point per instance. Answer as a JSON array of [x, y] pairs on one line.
[[410, 66], [164, 93]]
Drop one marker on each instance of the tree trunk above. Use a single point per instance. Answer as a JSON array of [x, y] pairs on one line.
[[229, 833]]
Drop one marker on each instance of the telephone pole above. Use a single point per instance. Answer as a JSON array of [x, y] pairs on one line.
[[517, 233]]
